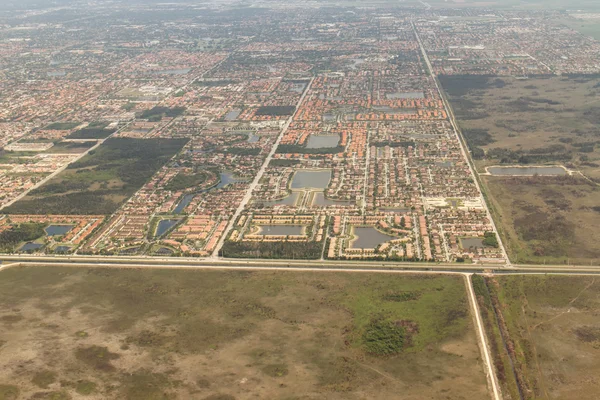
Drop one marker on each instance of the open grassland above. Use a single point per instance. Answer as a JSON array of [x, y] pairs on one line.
[[552, 220], [545, 333], [102, 180], [587, 27], [554, 119], [173, 334]]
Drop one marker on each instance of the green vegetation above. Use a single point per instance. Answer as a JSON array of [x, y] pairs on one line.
[[540, 322], [62, 126], [529, 121], [91, 133], [283, 163], [243, 151], [86, 388], [383, 338], [9, 392], [43, 379], [97, 357], [157, 113], [298, 332], [546, 219], [278, 250], [182, 181], [16, 234], [490, 240], [71, 147], [296, 148], [275, 111], [99, 182]]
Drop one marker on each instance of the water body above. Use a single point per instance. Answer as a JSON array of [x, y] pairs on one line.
[[233, 114], [30, 246], [329, 117], [405, 95], [164, 225], [290, 200], [281, 230], [321, 200], [395, 111], [185, 201], [527, 171], [58, 230], [395, 210], [228, 178], [369, 238], [445, 164], [54, 74], [62, 249], [467, 243], [129, 251], [322, 141], [181, 71], [164, 251], [318, 179]]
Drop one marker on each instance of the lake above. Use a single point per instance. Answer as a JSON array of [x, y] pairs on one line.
[[58, 230], [368, 238], [30, 246], [405, 95], [320, 200], [185, 201], [227, 178], [316, 179], [281, 230], [322, 141], [289, 200], [233, 114], [467, 243], [527, 171], [164, 225]]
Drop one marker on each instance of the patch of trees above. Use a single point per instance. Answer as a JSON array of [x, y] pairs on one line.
[[296, 148], [183, 181], [61, 126], [275, 111], [460, 85], [16, 234], [490, 240], [158, 112], [243, 151], [275, 250], [391, 143], [218, 83], [91, 133], [283, 163], [383, 337], [128, 160], [476, 138]]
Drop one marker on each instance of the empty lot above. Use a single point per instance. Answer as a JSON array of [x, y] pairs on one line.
[[172, 334]]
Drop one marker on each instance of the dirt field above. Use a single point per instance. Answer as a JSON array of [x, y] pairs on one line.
[[539, 120], [554, 328], [172, 334], [547, 219]]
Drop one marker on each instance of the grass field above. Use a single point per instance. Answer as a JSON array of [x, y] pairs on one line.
[[551, 329], [541, 120], [552, 220], [174, 334], [534, 121], [588, 27], [102, 180]]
